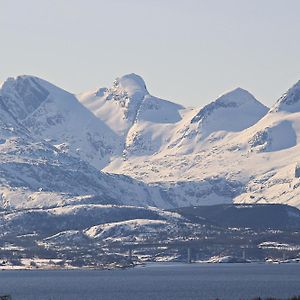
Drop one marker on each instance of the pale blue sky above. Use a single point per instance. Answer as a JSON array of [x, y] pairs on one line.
[[188, 51]]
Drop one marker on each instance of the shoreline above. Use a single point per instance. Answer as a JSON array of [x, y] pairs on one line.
[[142, 265]]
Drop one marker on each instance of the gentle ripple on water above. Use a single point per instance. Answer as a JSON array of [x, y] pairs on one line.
[[156, 282]]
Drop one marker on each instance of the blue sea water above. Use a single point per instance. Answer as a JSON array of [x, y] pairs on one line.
[[156, 282]]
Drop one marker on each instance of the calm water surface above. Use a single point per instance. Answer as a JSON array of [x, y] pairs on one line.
[[156, 281]]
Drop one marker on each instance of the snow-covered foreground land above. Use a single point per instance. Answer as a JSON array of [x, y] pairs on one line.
[[112, 236]]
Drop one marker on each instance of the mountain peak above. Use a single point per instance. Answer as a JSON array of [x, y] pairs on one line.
[[132, 83], [23, 94], [237, 98], [128, 92], [289, 101], [128, 85], [19, 81]]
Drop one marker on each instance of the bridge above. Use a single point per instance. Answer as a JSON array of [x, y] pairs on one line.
[[190, 249]]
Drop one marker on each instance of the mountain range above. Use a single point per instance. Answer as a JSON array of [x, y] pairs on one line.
[[121, 145]]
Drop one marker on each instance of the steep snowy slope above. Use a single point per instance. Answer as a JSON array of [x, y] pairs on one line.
[[154, 126], [290, 101], [55, 115]]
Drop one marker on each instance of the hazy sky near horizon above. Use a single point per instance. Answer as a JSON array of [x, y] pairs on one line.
[[188, 51]]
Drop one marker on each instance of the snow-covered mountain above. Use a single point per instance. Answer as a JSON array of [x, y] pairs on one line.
[[232, 150], [37, 173], [231, 112], [142, 122], [55, 115]]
